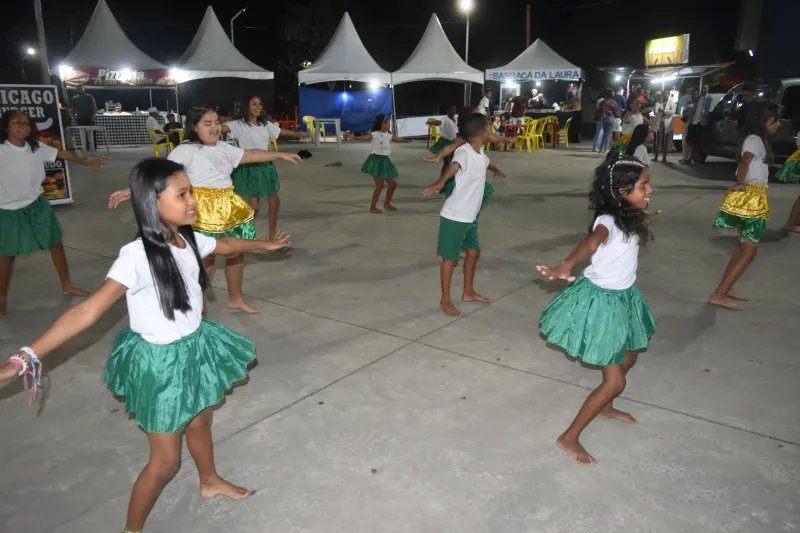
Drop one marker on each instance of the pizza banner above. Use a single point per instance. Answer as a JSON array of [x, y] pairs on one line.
[[40, 102], [109, 77]]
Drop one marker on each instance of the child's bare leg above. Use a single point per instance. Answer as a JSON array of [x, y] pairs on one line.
[[62, 268], [274, 204], [234, 274], [255, 204], [387, 202], [6, 266], [446, 304], [612, 386], [376, 195], [470, 264], [794, 216], [609, 411], [198, 440], [165, 454], [741, 259]]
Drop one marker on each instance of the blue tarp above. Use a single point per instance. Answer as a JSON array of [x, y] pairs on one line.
[[356, 110]]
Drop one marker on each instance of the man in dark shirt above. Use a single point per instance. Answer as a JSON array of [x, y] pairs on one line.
[[84, 107], [519, 105], [748, 95]]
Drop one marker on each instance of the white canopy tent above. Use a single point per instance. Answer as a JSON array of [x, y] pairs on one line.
[[537, 62], [345, 58], [104, 45], [434, 58], [212, 55]]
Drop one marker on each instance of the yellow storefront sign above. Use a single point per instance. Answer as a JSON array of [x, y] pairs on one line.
[[667, 51]]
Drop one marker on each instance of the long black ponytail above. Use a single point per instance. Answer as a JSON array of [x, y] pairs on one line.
[[148, 180]]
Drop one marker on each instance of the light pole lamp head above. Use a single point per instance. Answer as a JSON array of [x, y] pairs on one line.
[[466, 6], [30, 51]]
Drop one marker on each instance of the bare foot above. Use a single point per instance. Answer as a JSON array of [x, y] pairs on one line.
[[220, 487], [240, 305], [736, 295], [724, 301], [474, 297], [574, 448], [616, 414], [449, 309], [389, 207], [375, 211], [72, 291]]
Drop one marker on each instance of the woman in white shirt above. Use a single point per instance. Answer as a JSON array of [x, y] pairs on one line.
[[630, 119], [662, 126], [254, 181], [378, 165], [27, 222], [220, 211], [745, 210], [449, 126]]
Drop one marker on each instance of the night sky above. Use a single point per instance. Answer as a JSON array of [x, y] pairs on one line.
[[605, 33]]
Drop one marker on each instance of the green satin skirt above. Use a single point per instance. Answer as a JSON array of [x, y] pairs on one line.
[[256, 180], [380, 166], [34, 227], [598, 325], [166, 386]]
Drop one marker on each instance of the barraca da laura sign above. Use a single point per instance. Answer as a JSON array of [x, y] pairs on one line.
[[524, 75]]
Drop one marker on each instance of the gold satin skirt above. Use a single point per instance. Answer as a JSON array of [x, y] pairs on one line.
[[749, 203], [220, 210]]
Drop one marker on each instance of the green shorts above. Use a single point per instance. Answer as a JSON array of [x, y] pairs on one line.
[[456, 236]]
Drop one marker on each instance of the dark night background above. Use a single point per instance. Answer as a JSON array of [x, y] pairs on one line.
[[280, 35]]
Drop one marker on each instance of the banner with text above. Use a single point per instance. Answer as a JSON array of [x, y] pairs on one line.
[[667, 51], [109, 77], [41, 104]]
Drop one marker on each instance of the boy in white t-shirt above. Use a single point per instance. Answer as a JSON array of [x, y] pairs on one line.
[[458, 229]]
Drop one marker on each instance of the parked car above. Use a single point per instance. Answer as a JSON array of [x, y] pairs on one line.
[[723, 136]]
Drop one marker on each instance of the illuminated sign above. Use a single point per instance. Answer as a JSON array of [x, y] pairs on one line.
[[667, 51], [527, 75]]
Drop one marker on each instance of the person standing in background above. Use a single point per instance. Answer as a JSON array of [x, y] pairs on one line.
[[662, 127], [520, 104], [698, 126], [619, 98], [748, 95], [84, 108], [486, 102]]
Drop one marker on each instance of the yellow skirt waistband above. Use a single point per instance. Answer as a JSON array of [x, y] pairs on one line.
[[749, 203], [220, 210]]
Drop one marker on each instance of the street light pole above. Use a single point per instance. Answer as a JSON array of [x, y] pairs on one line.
[[234, 18], [466, 6], [45, 69]]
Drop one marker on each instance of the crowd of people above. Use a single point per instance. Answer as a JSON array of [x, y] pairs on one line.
[[173, 365]]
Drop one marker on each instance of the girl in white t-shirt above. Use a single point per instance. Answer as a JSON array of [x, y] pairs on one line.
[[378, 165], [170, 364], [637, 146], [254, 181], [745, 210], [449, 130], [601, 317], [220, 211], [27, 222]]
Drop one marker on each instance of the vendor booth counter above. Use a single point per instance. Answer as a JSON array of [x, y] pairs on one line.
[[121, 129]]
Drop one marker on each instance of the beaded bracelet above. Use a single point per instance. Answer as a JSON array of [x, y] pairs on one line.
[[31, 369]]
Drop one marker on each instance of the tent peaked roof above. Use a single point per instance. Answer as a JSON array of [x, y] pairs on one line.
[[104, 45], [212, 55], [345, 58], [537, 62], [434, 58]]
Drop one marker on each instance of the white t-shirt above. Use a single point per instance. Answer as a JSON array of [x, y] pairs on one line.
[[449, 129], [208, 166], [758, 172], [381, 143], [465, 202], [483, 105], [153, 124], [636, 120], [22, 173], [144, 310], [614, 264], [253, 137], [641, 154]]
